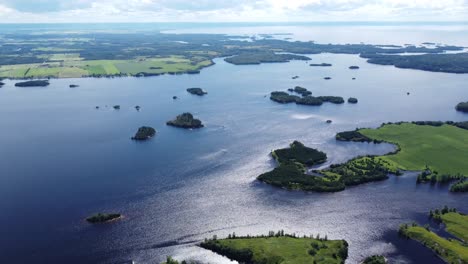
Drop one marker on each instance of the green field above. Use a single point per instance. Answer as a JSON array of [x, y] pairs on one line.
[[280, 250], [70, 65], [54, 49], [444, 148], [457, 224], [451, 250]]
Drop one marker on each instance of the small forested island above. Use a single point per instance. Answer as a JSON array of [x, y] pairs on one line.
[[320, 64], [302, 91], [35, 83], [309, 100], [102, 218], [353, 67], [263, 57], [144, 133], [291, 170], [306, 99], [185, 120], [283, 97], [327, 78], [73, 85], [376, 259], [331, 99], [450, 249], [279, 248], [352, 100], [196, 91], [462, 107], [299, 153]]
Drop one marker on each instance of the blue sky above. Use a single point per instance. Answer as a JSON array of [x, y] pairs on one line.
[[30, 11]]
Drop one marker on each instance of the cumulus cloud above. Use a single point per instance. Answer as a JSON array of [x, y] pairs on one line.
[[229, 10]]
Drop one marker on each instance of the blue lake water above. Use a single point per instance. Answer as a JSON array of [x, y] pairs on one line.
[[62, 160]]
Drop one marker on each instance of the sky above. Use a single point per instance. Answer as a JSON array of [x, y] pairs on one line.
[[92, 11]]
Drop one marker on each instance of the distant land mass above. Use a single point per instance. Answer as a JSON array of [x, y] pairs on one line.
[[68, 55]]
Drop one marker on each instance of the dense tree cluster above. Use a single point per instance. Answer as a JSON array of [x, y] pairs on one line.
[[437, 213], [433, 177], [302, 91], [290, 173], [35, 83], [263, 57], [460, 186], [144, 133], [196, 91], [283, 97], [297, 152], [452, 63], [462, 107], [320, 64], [241, 255], [361, 170], [331, 99], [352, 136], [376, 259], [462, 124], [309, 100], [170, 260], [185, 120], [101, 218], [306, 99]]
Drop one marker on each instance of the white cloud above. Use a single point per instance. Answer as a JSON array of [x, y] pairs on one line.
[[230, 10]]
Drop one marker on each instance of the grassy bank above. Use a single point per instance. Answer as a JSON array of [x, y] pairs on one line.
[[284, 249], [437, 149], [450, 250]]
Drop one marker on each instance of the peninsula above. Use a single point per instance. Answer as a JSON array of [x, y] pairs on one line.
[[450, 249], [279, 248]]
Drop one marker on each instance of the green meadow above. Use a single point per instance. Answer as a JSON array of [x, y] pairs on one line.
[[70, 65], [280, 250], [457, 224], [442, 148]]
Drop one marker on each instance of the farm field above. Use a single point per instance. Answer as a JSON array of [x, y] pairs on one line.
[[70, 65], [442, 148]]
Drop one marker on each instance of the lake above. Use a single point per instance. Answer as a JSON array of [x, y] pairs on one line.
[[62, 159]]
